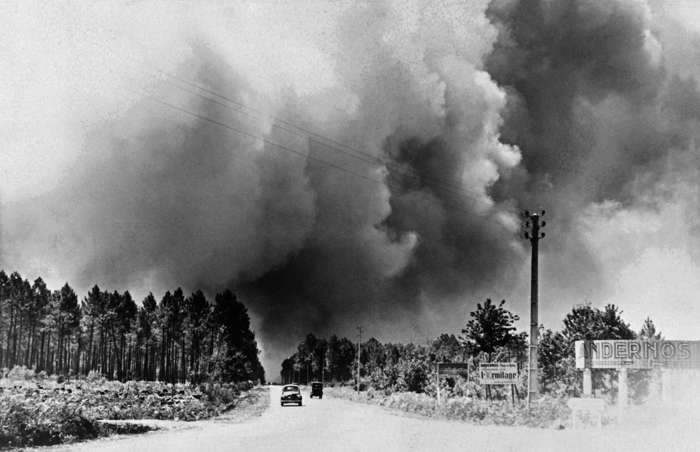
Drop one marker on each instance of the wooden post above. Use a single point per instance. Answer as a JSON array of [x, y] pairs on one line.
[[665, 385], [587, 383], [622, 390], [655, 389]]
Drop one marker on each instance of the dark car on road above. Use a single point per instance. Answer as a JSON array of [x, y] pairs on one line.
[[316, 389], [290, 394]]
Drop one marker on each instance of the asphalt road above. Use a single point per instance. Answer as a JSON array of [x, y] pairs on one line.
[[339, 425]]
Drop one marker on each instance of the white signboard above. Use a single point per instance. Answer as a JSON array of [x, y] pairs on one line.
[[637, 354], [498, 373]]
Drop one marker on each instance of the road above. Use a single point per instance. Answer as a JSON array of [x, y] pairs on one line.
[[339, 425]]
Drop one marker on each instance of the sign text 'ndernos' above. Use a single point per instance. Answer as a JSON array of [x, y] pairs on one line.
[[637, 354]]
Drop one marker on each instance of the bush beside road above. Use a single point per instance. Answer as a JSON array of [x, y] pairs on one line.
[[38, 410], [547, 412]]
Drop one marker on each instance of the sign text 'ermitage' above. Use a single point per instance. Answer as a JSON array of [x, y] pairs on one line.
[[498, 373]]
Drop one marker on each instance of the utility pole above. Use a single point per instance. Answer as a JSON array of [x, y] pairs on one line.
[[359, 341], [532, 226]]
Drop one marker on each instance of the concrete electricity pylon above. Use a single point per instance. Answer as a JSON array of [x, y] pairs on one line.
[[532, 225]]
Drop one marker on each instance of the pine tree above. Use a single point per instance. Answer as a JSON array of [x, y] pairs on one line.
[[490, 327], [648, 331]]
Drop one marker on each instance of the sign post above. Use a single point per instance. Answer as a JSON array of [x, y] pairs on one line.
[[622, 390], [665, 385], [587, 383]]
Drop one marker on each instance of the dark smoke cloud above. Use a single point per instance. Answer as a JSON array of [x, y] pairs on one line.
[[564, 60], [462, 117], [460, 250], [588, 107]]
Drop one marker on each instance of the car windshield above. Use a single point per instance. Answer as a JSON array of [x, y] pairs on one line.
[[290, 389]]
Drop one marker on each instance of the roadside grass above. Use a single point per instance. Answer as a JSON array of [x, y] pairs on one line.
[[251, 403], [37, 410], [547, 412]]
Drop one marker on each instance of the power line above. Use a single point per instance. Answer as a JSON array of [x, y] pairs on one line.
[[258, 137], [365, 156], [454, 204], [330, 143]]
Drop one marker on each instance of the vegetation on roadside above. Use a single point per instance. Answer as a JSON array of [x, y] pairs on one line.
[[37, 410], [403, 376], [191, 357], [547, 412]]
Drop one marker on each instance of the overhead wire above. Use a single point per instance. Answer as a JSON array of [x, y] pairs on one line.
[[329, 143], [255, 137], [332, 144], [395, 174], [454, 204]]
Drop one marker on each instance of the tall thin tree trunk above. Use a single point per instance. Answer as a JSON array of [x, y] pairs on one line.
[[27, 352], [91, 352], [42, 352]]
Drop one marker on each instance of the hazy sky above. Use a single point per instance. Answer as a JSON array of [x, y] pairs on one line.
[[343, 163]]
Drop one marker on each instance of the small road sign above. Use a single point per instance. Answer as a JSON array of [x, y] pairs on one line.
[[498, 373], [447, 369]]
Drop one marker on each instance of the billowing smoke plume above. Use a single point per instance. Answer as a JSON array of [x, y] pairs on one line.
[[342, 164], [607, 127]]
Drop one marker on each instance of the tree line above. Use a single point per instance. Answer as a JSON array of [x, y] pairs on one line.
[[175, 339], [489, 334]]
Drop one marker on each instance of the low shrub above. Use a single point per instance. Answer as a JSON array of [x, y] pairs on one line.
[[41, 411], [546, 412], [20, 373], [26, 423]]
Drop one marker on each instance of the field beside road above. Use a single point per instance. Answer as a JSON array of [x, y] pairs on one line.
[[331, 424]]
